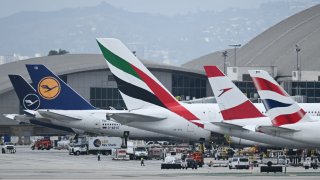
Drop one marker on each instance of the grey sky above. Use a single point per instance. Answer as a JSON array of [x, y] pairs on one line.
[[167, 7]]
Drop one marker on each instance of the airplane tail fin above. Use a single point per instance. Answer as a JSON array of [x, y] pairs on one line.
[[139, 88], [28, 98], [281, 108], [232, 102], [53, 92]]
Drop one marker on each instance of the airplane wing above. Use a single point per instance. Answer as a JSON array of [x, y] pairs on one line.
[[128, 117], [54, 115], [275, 130]]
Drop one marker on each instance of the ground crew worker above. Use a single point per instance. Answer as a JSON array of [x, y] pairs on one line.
[[142, 162], [98, 156]]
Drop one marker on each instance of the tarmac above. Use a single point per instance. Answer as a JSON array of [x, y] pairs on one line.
[[58, 164]]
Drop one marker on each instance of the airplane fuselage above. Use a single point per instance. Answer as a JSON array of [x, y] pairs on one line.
[[94, 121]]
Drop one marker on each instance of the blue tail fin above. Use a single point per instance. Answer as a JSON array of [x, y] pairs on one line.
[[53, 92], [28, 98]]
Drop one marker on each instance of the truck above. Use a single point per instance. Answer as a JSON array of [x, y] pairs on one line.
[[8, 148], [137, 150], [42, 144], [95, 145], [156, 153], [198, 157], [141, 152], [310, 162]]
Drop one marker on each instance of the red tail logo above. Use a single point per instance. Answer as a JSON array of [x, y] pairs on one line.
[[223, 91]]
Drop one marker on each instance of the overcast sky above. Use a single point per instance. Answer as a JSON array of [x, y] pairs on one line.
[[167, 7]]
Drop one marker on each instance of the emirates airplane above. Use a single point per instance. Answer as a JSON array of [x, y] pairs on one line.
[[152, 107], [288, 119]]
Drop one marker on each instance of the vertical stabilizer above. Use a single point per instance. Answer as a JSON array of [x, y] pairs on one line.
[[281, 108], [232, 102]]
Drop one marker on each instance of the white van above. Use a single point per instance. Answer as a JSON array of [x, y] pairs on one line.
[[239, 163]]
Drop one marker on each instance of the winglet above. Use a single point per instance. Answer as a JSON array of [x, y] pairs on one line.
[[213, 71]]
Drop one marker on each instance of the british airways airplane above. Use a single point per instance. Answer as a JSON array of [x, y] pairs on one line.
[[238, 111], [288, 119]]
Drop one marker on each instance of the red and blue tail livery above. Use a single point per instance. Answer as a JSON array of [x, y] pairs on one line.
[[281, 108]]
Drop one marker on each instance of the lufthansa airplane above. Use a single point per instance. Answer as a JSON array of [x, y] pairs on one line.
[[54, 104]]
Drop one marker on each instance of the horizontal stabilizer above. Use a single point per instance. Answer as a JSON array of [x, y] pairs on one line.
[[126, 118], [53, 115], [10, 116], [275, 130], [30, 112], [19, 117], [228, 125]]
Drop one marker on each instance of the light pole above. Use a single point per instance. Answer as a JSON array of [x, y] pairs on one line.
[[298, 49], [235, 52], [225, 54]]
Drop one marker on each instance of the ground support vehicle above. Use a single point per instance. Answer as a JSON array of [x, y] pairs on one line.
[[156, 153], [137, 150], [174, 164], [192, 163], [198, 157], [8, 148], [310, 162], [95, 145], [239, 163], [42, 144]]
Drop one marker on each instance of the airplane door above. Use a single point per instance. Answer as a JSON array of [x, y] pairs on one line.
[[190, 127], [97, 124]]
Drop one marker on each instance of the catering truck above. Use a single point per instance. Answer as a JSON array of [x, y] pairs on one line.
[[95, 145]]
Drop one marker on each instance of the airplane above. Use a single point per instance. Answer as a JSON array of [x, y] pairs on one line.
[[146, 97], [30, 101], [62, 112], [239, 112], [288, 119], [150, 105]]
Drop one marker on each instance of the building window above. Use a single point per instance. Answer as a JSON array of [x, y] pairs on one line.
[[246, 77], [111, 78], [188, 86], [103, 98], [64, 78]]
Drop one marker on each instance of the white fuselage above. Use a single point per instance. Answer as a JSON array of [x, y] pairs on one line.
[[213, 114], [177, 126], [94, 121], [307, 132], [173, 125]]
